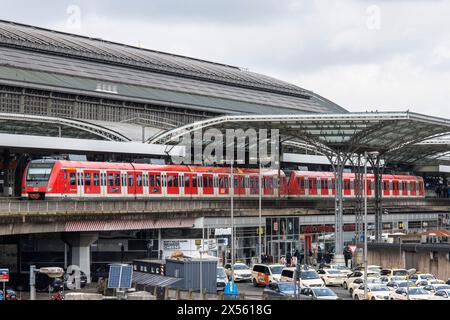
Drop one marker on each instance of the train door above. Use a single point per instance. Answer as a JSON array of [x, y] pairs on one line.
[[301, 185], [70, 185], [193, 185], [347, 187], [113, 183], [386, 188], [80, 182], [404, 188], [154, 183], [312, 184], [268, 186], [139, 180], [412, 187], [395, 188], [173, 186], [223, 187], [91, 183], [324, 187], [208, 184]]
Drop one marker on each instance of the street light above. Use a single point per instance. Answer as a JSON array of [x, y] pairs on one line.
[[365, 219], [52, 272]]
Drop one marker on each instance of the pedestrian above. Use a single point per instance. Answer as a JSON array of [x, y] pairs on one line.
[[288, 259], [347, 255]]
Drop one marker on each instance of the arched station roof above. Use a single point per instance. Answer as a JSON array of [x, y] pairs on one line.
[[75, 64]]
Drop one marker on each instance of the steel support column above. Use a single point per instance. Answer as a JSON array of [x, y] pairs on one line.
[[378, 173], [359, 183]]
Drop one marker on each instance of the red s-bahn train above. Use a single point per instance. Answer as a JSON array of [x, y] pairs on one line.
[[59, 179]]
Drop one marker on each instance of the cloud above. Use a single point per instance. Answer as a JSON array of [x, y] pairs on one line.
[[330, 47]]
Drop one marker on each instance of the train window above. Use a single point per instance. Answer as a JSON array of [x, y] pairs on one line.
[[145, 180], [205, 182], [235, 184], [187, 182], [117, 179], [87, 179], [271, 183], [221, 182], [169, 181], [194, 181], [324, 184], [65, 174], [211, 182], [175, 181], [96, 179], [130, 180], [302, 183], [386, 185], [73, 179], [139, 180], [124, 180], [242, 182]]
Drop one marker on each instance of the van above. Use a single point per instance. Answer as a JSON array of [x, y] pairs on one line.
[[263, 274], [309, 277]]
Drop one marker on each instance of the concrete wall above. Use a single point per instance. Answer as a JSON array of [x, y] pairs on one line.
[[420, 260]]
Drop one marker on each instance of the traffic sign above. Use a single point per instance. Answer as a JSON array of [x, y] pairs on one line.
[[4, 275]]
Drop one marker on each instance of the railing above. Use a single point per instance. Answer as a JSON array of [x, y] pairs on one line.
[[125, 206]]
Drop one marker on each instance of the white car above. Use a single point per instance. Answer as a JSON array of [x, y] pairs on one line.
[[342, 268], [319, 293], [421, 276], [310, 278], [433, 288], [394, 285], [356, 275], [395, 272], [414, 294], [443, 294], [241, 272], [358, 282], [375, 291], [331, 276]]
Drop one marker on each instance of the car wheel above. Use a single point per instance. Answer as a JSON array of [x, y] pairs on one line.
[[345, 285], [255, 284], [356, 297], [351, 291], [373, 298]]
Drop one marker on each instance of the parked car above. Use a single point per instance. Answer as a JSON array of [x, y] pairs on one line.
[[414, 294], [394, 285], [331, 277], [433, 288], [241, 272], [395, 272], [317, 293], [443, 294], [263, 274], [421, 276], [358, 282], [342, 268], [222, 278], [375, 291], [308, 277], [279, 289], [356, 275]]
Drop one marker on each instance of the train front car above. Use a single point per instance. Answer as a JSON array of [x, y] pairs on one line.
[[38, 179]]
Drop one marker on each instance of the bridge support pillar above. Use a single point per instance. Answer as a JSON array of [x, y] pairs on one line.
[[80, 245]]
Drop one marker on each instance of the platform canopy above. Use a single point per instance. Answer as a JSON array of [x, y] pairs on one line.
[[332, 133], [430, 152]]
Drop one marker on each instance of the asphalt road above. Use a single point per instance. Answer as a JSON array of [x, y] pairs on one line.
[[256, 293]]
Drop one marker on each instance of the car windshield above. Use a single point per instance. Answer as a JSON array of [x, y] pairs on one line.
[[309, 275], [276, 269], [286, 286], [378, 288], [374, 280], [404, 284], [427, 276], [323, 292], [221, 272], [416, 291], [400, 273], [240, 267]]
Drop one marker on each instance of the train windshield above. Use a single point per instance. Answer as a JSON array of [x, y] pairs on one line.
[[38, 174]]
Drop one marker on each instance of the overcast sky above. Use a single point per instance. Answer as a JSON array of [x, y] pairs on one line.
[[361, 54]]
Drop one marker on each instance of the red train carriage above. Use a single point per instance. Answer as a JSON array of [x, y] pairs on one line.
[[307, 184], [50, 179]]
